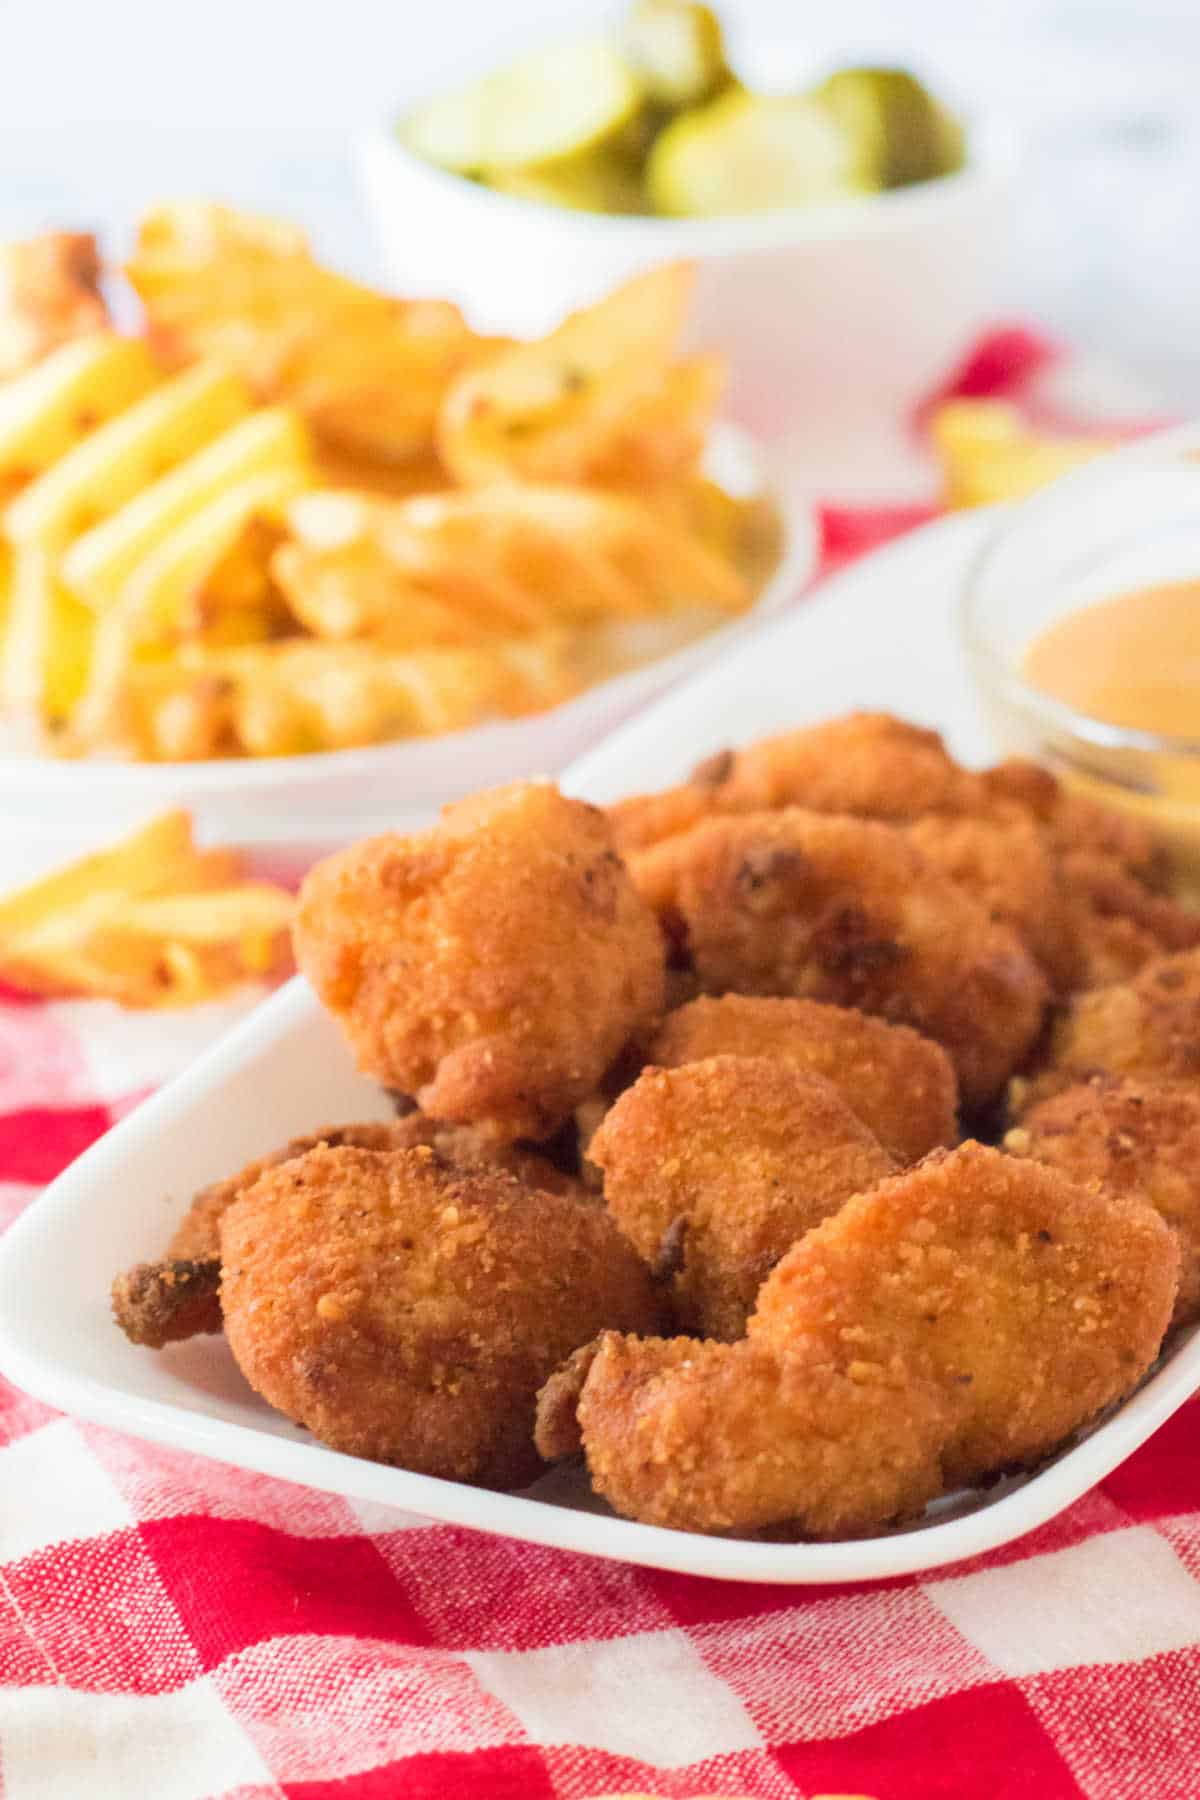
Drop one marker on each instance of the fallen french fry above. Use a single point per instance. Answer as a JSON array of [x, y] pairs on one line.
[[151, 921], [988, 455]]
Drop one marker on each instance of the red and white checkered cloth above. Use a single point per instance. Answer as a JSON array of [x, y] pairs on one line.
[[171, 1629]]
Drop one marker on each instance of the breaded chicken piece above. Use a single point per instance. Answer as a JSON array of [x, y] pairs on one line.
[[869, 765], [1121, 924], [492, 967], [1148, 1027], [408, 1311], [1074, 822], [157, 1303], [1033, 1302], [848, 911], [900, 1084], [713, 1170], [49, 292], [734, 1438], [1007, 867], [1136, 1138]]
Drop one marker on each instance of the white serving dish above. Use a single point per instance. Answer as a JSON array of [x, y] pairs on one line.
[[837, 320], [880, 635], [310, 803]]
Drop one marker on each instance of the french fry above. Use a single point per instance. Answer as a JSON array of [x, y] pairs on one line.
[[988, 455], [555, 410], [45, 643], [49, 293], [151, 921], [367, 370], [273, 440], [59, 401], [117, 460]]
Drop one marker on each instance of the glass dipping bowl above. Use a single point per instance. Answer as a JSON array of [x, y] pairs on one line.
[[1129, 520]]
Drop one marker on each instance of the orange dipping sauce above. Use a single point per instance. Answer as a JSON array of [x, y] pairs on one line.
[[1132, 661]]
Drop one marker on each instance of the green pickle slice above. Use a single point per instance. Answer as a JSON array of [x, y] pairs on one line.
[[677, 49], [600, 181], [555, 103], [903, 135], [748, 153]]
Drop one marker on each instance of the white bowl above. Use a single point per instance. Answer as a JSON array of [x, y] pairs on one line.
[[837, 320], [52, 807]]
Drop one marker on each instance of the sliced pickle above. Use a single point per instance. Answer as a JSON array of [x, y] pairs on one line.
[[902, 134], [747, 153], [677, 49], [601, 181], [555, 103]]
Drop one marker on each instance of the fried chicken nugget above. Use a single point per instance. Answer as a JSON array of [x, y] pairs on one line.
[[1148, 1027], [1033, 1302], [713, 1170], [1136, 1138], [735, 1438], [408, 1311], [1005, 865], [848, 911], [900, 1084], [1073, 821], [868, 765], [491, 967], [157, 1303], [1121, 924]]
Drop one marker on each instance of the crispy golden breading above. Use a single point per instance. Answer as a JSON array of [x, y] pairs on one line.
[[1137, 1138], [160, 1303], [869, 765], [491, 967], [736, 1438], [408, 1311], [1007, 867], [714, 1170], [1074, 822], [1121, 924], [1148, 1027], [1033, 1302], [49, 292], [900, 1084], [848, 911], [198, 1234]]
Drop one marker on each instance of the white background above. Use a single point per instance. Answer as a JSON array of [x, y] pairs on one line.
[[106, 105]]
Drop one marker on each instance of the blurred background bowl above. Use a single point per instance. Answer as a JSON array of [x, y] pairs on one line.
[[837, 320]]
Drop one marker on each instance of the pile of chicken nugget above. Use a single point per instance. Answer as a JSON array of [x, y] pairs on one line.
[[795, 1146]]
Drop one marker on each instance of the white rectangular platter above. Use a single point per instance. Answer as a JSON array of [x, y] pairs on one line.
[[880, 635]]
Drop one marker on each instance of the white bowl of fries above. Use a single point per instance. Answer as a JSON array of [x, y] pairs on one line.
[[307, 559]]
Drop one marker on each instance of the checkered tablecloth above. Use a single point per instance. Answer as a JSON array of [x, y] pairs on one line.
[[172, 1629]]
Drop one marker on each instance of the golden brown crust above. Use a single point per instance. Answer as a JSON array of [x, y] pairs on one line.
[[1122, 925], [719, 1166], [1031, 1301], [1148, 1027], [409, 1311], [492, 967], [163, 1302], [848, 911], [1073, 822], [900, 1084], [733, 1438], [1006, 866], [1130, 1138]]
